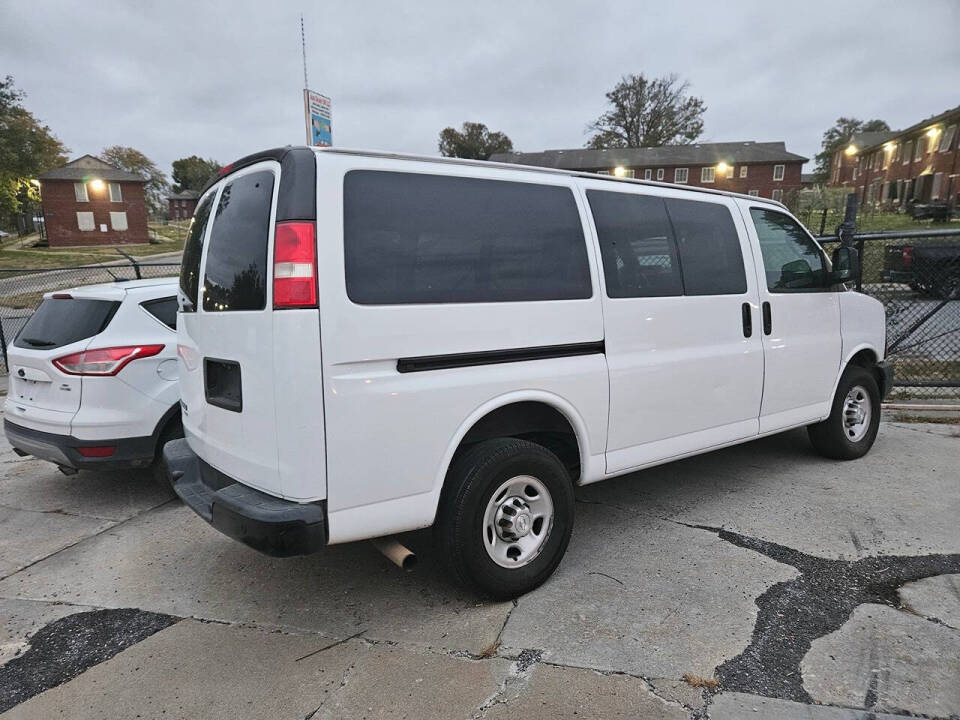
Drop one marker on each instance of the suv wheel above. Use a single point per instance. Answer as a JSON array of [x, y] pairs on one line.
[[854, 419], [505, 517]]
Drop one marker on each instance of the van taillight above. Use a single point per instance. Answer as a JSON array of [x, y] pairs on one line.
[[294, 266]]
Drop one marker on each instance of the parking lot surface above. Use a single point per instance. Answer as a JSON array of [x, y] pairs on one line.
[[756, 581]]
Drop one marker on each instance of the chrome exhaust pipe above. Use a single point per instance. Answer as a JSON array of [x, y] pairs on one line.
[[396, 553]]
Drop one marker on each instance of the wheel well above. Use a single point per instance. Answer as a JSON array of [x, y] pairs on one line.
[[535, 422], [867, 359], [170, 419]]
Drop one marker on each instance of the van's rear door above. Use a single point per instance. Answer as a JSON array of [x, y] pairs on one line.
[[247, 407]]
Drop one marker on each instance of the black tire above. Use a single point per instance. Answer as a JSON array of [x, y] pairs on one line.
[[832, 438], [459, 529], [172, 431]]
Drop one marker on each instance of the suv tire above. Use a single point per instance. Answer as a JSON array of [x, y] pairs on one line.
[[505, 502], [172, 431], [854, 419]]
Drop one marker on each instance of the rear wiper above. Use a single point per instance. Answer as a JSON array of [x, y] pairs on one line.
[[39, 343]]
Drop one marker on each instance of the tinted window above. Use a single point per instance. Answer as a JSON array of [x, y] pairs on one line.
[[235, 276], [791, 259], [411, 238], [636, 244], [192, 249], [709, 248], [61, 321], [164, 310]]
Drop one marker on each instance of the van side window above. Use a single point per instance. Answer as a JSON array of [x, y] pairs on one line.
[[636, 244], [418, 238], [235, 276], [192, 250], [792, 261], [709, 248]]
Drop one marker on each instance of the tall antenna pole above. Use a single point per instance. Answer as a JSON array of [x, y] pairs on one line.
[[303, 45]]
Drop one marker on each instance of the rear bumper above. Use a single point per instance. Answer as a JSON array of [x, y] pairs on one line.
[[273, 526], [130, 453], [886, 369]]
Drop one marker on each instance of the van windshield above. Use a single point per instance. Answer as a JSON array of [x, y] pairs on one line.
[[62, 321]]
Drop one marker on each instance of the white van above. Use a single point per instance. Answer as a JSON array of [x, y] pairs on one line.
[[373, 343]]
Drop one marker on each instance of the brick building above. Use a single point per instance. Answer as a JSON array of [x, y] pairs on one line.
[[91, 202], [919, 164], [844, 160], [765, 169], [182, 204]]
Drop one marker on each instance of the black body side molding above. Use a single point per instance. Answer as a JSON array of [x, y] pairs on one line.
[[493, 357]]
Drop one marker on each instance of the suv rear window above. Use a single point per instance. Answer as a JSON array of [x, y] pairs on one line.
[[163, 309], [62, 321], [235, 275], [417, 238], [192, 250]]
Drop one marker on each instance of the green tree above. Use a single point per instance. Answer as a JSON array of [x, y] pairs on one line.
[[132, 160], [192, 173], [27, 148], [837, 137], [474, 141], [648, 112]]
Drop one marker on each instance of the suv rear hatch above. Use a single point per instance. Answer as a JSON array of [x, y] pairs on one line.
[[249, 329], [41, 396]]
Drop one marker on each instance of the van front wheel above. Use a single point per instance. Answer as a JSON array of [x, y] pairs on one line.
[[505, 517], [854, 419]]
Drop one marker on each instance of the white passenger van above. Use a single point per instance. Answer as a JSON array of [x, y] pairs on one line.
[[372, 343]]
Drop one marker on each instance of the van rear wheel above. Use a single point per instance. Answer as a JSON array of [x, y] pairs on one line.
[[854, 419], [505, 517]]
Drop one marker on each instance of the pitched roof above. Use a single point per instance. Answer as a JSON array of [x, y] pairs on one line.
[[89, 167], [932, 120], [184, 195], [869, 139], [667, 156]]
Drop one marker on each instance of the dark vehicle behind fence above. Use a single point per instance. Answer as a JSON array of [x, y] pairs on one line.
[[933, 271]]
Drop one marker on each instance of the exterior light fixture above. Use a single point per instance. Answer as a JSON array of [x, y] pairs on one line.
[[722, 167], [932, 132], [851, 150], [97, 184], [619, 171]]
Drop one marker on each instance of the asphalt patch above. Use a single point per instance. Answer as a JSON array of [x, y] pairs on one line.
[[66, 647], [794, 613]]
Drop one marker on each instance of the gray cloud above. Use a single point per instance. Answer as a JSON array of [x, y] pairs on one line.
[[222, 79]]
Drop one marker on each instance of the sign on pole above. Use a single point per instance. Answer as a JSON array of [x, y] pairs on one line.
[[317, 110]]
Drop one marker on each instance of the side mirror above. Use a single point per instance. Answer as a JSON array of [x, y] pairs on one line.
[[846, 265]]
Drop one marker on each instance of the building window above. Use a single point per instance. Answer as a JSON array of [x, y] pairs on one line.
[[115, 194], [707, 174], [80, 191], [629, 173], [937, 186], [778, 195], [85, 220], [897, 152], [919, 149], [659, 173], [778, 172], [753, 193], [907, 151], [680, 176], [854, 176], [885, 156], [743, 171], [118, 221], [946, 140], [729, 173], [647, 174]]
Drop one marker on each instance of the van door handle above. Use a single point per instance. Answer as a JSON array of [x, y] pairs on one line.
[[767, 321], [747, 320]]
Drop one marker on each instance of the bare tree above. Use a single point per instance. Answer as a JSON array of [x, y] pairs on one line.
[[648, 113]]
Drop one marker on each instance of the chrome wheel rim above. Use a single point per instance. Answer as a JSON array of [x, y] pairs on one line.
[[856, 413], [517, 521]]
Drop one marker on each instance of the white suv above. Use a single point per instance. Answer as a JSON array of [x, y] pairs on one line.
[[93, 377], [373, 343]]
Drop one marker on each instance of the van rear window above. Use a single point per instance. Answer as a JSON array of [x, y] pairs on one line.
[[62, 321], [192, 250], [418, 238], [235, 275]]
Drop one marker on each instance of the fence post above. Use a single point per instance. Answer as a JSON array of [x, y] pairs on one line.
[[133, 261], [823, 221]]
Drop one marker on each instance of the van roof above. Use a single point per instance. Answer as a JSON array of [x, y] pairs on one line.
[[279, 153], [536, 169]]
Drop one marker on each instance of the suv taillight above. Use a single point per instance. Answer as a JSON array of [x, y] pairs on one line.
[[906, 255], [104, 361], [294, 266]]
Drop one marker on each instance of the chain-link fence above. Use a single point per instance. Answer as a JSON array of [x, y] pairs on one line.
[[22, 289], [916, 275]]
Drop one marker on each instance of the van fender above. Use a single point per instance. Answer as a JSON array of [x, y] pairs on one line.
[[848, 356], [560, 404]]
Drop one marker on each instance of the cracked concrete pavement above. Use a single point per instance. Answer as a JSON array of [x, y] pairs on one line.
[[809, 589]]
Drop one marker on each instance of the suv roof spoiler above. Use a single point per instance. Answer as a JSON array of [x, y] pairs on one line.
[[297, 199]]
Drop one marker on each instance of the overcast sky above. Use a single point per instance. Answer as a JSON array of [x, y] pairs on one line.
[[222, 79]]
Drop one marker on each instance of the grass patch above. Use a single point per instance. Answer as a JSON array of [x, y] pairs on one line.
[[903, 417]]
